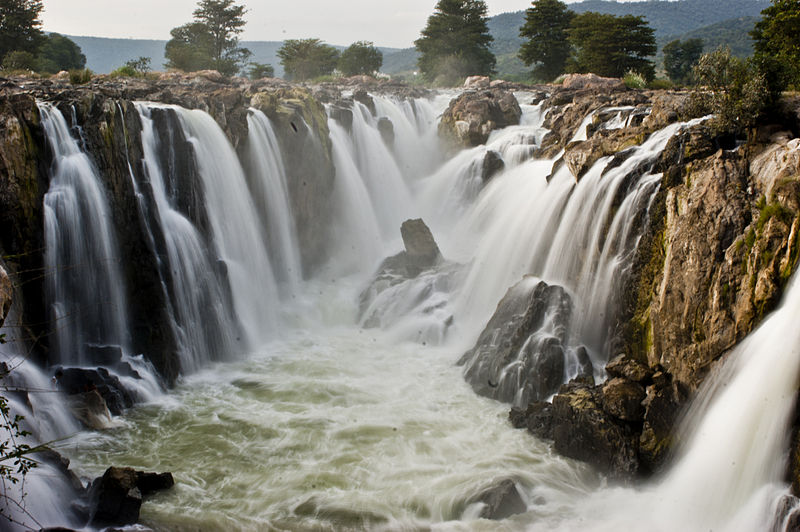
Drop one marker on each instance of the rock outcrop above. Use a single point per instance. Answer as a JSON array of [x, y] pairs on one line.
[[500, 501], [116, 498], [522, 353], [6, 294], [472, 116]]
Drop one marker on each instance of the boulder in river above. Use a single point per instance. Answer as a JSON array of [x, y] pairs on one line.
[[500, 501], [520, 355], [473, 115], [116, 497]]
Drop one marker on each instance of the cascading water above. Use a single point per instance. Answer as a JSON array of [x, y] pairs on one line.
[[39, 501], [203, 324], [235, 226], [87, 301], [339, 427], [271, 194]]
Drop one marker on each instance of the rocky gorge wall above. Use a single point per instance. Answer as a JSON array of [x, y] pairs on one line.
[[719, 246]]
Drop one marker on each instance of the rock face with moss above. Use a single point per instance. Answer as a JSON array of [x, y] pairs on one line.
[[720, 243]]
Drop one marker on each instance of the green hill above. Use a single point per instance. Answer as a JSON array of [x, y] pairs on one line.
[[734, 33], [714, 21]]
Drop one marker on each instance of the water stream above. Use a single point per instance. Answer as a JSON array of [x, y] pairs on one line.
[[318, 422]]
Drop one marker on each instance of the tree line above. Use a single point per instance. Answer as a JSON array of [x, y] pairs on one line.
[[453, 44]]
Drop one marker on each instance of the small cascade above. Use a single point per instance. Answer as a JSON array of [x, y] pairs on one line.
[[376, 175], [578, 235], [271, 195], [357, 230], [45, 494], [84, 286], [737, 431], [239, 243], [388, 191], [201, 319]]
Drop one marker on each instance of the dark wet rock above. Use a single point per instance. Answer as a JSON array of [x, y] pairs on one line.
[[473, 115], [91, 409], [362, 96], [386, 129], [491, 164], [500, 501], [624, 366], [104, 355], [520, 355], [537, 418], [419, 276], [116, 497], [583, 430], [343, 115], [663, 404], [82, 380], [623, 399], [585, 366], [149, 482], [421, 249]]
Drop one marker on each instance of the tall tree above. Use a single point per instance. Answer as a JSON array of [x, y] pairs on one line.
[[455, 42], [211, 41], [20, 27], [680, 57], [307, 58], [59, 53], [777, 43], [360, 58], [546, 31], [608, 45]]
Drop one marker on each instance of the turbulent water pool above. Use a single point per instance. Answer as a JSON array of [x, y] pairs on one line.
[[335, 429]]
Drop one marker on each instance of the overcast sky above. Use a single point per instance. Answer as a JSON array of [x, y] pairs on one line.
[[395, 23]]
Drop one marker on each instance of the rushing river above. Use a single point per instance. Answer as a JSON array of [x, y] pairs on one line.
[[348, 412]]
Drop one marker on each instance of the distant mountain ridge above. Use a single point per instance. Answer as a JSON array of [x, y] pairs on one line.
[[667, 18]]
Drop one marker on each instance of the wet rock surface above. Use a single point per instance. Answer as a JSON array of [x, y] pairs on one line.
[[500, 501], [473, 115], [116, 497], [520, 355]]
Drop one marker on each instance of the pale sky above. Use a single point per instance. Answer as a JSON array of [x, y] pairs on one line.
[[394, 23]]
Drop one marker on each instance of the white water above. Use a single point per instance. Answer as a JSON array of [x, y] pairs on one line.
[[235, 226], [202, 323], [334, 426], [84, 287], [271, 194], [41, 499]]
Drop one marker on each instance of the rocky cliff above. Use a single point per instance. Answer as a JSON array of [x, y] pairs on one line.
[[720, 242]]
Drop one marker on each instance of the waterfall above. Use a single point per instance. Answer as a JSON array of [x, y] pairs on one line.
[[271, 195], [45, 494], [376, 177], [235, 226], [737, 432], [201, 319], [84, 287]]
